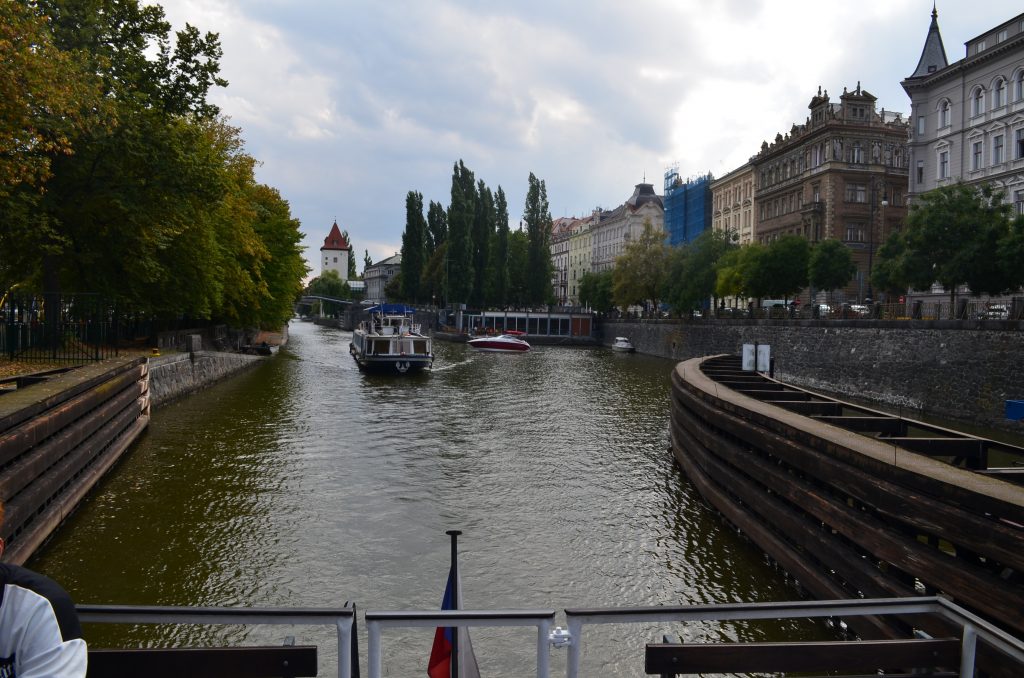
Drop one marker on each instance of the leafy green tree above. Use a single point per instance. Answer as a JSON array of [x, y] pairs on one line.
[[501, 250], [954, 236], [460, 224], [693, 270], [351, 265], [329, 285], [729, 281], [434, 277], [596, 290], [537, 216], [393, 288], [518, 280], [483, 233], [831, 265], [285, 267], [787, 264], [437, 226], [641, 271], [367, 261], [46, 96], [754, 270], [413, 249]]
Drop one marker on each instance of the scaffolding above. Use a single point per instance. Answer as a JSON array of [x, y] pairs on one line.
[[687, 206]]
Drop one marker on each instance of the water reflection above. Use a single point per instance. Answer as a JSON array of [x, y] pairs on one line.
[[306, 482]]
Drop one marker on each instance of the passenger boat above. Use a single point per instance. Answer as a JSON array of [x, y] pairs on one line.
[[389, 341], [510, 342], [623, 345]]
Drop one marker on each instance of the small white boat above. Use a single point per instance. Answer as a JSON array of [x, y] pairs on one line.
[[390, 341], [510, 342], [623, 345]]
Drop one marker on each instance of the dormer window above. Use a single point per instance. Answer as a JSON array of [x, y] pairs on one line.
[[980, 48], [1002, 36]]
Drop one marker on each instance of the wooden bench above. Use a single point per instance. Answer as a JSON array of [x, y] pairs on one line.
[[285, 661], [939, 657]]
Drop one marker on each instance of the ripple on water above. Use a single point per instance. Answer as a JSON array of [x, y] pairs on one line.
[[306, 482]]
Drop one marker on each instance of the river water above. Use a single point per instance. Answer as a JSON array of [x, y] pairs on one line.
[[305, 482]]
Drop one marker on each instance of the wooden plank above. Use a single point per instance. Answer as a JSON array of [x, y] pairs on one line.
[[890, 425], [901, 503], [812, 408], [207, 662], [823, 656], [970, 448], [777, 396]]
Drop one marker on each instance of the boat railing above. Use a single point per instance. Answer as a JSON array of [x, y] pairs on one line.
[[972, 629]]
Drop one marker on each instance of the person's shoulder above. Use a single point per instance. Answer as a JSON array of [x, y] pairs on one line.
[[49, 591]]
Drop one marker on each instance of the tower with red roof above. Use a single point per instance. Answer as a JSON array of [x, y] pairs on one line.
[[335, 253]]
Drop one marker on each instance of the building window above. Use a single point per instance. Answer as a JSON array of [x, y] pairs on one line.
[[999, 94], [920, 172], [856, 153], [977, 102], [856, 193], [943, 165], [944, 114], [980, 47], [816, 192], [976, 155], [1018, 86], [855, 232], [920, 124], [997, 149], [1018, 201], [1002, 36], [335, 259], [1019, 143]]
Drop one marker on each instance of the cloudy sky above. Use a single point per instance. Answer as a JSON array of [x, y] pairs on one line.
[[350, 105]]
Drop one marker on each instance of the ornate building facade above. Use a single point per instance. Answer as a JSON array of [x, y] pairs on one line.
[[968, 117], [611, 231], [579, 256], [732, 199], [561, 231], [842, 174]]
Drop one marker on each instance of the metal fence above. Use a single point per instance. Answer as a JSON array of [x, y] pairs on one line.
[[962, 309], [69, 329]]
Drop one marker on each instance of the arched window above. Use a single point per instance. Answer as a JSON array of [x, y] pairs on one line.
[[1018, 86], [944, 114], [999, 93], [977, 102]]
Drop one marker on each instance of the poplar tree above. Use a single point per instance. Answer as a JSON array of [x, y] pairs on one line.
[[501, 250], [483, 233], [437, 226], [538, 234], [413, 253], [460, 224]]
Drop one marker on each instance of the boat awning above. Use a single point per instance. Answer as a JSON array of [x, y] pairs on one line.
[[391, 309]]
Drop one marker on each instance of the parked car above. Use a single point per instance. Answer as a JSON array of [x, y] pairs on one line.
[[823, 310], [860, 310]]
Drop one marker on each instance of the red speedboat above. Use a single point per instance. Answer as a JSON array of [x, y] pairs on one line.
[[510, 342]]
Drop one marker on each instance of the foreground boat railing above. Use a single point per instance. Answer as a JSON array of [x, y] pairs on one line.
[[973, 629]]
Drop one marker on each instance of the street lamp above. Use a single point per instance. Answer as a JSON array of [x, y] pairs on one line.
[[875, 183]]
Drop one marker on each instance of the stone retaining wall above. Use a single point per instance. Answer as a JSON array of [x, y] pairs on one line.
[[173, 376], [958, 370]]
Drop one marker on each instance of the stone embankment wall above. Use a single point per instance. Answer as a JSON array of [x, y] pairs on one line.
[[956, 369], [173, 376]]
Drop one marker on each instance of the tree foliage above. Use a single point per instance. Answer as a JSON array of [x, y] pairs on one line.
[[483, 233], [831, 265], [501, 250], [413, 246], [693, 270], [461, 212], [641, 271], [596, 290], [135, 188], [955, 235], [537, 216]]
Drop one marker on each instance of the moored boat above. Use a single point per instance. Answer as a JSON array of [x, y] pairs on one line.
[[622, 344], [509, 342], [389, 341]]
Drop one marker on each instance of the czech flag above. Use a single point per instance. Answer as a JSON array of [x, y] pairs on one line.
[[444, 648]]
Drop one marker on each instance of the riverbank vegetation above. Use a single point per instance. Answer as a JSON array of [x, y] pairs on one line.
[[467, 253], [956, 236], [119, 177]]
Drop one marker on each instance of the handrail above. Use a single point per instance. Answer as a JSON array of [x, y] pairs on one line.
[[973, 628], [342, 619]]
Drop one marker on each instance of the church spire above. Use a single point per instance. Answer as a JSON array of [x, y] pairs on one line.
[[933, 56]]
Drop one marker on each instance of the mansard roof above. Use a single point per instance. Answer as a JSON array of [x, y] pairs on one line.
[[933, 56], [643, 194], [335, 240]]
